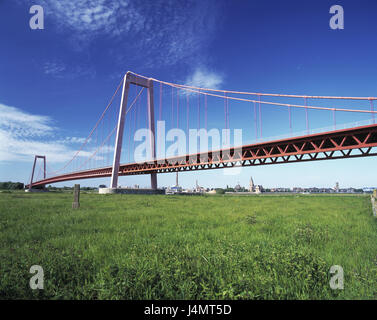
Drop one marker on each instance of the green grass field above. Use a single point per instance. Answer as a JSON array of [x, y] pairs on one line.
[[177, 247]]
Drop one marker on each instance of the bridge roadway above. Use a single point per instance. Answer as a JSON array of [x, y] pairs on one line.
[[337, 144]]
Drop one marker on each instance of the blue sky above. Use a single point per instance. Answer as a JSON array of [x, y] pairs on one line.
[[55, 83]]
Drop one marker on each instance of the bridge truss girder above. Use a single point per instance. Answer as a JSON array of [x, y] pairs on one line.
[[340, 144]]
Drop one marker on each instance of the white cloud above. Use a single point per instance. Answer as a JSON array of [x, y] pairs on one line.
[[23, 124], [59, 69], [13, 148], [53, 68], [85, 16], [159, 32], [203, 78], [69, 140], [23, 135]]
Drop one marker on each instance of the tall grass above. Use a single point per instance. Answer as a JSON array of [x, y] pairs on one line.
[[175, 247]]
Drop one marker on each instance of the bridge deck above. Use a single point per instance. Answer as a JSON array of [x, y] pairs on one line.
[[346, 143]]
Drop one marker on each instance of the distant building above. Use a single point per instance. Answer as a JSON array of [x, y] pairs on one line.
[[174, 189], [369, 189], [238, 188], [251, 185], [254, 188], [198, 189], [336, 188]]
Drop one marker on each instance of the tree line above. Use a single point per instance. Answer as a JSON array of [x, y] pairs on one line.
[[11, 185]]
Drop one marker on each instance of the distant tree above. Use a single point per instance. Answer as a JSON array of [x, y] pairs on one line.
[[18, 186], [220, 191], [102, 186], [11, 185], [87, 188]]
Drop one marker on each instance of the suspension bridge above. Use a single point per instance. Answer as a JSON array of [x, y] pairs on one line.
[[268, 122]]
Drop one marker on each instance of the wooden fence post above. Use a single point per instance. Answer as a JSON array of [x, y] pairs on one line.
[[76, 197]]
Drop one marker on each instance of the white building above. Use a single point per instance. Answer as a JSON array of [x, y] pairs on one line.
[[254, 188]]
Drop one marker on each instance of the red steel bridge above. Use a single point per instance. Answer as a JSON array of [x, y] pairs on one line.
[[184, 107]]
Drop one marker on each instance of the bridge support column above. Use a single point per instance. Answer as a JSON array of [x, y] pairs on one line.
[[32, 172], [130, 78], [152, 139], [120, 129]]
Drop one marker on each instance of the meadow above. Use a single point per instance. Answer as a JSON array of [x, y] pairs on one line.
[[182, 247]]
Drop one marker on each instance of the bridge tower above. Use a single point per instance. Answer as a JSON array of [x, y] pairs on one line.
[[129, 79], [32, 172]]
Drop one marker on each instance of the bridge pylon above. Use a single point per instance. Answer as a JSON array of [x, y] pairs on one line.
[[32, 172], [133, 79]]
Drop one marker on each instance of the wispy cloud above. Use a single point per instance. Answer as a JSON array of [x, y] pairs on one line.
[[159, 32], [203, 78], [13, 148], [53, 68], [22, 135], [72, 140], [23, 124], [59, 69]]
